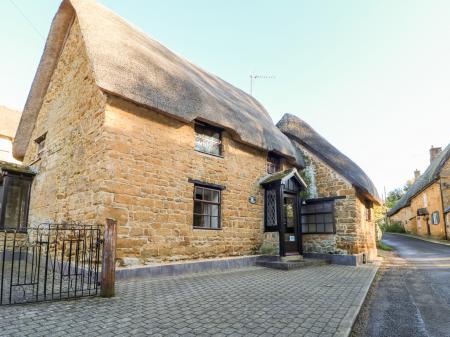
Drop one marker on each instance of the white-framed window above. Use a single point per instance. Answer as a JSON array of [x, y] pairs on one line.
[[40, 142], [435, 218]]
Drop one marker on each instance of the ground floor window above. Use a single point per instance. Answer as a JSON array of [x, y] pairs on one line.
[[318, 216], [14, 201], [207, 207], [435, 218]]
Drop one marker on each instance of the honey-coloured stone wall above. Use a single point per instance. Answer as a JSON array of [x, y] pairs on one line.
[[353, 233], [150, 159], [70, 166]]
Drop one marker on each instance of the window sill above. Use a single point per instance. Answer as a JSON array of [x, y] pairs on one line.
[[207, 228], [210, 154]]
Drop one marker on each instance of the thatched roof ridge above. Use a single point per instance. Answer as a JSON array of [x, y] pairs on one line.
[[10, 121], [301, 132], [129, 64], [430, 175]]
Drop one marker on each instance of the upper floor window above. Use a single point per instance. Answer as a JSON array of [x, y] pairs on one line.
[[368, 213], [273, 163], [435, 218], [208, 139], [40, 141], [207, 207]]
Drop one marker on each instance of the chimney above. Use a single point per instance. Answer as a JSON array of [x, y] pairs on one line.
[[434, 152], [416, 174]]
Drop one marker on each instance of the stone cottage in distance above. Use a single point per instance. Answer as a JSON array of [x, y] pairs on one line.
[[425, 208], [118, 126]]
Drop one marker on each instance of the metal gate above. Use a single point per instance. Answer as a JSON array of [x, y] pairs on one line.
[[50, 262]]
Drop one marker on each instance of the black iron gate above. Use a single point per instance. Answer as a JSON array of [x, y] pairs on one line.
[[50, 262]]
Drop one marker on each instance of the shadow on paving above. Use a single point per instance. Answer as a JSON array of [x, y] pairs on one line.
[[411, 293]]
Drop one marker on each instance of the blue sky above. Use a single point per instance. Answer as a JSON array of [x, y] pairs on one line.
[[373, 77]]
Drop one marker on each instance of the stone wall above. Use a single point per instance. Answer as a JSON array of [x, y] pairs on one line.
[[70, 167], [150, 159], [353, 233], [445, 188]]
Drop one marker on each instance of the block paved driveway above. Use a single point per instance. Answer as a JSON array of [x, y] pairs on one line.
[[317, 301]]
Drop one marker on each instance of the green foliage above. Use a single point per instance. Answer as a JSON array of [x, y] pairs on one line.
[[395, 195], [383, 246], [268, 249], [394, 227]]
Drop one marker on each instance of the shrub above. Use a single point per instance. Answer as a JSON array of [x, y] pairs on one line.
[[394, 227]]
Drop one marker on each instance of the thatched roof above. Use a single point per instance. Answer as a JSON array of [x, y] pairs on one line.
[[10, 121], [129, 64], [426, 179], [303, 134]]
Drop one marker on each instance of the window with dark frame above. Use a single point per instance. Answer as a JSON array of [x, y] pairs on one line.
[[40, 141], [318, 217], [208, 139], [435, 218], [207, 207], [14, 202], [273, 163], [368, 213]]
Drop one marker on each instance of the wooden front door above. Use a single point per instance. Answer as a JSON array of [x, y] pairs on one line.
[[290, 223]]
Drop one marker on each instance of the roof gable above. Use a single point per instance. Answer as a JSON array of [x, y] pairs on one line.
[[129, 64], [299, 131]]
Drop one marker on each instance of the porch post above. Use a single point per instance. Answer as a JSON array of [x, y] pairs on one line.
[[280, 223], [109, 259]]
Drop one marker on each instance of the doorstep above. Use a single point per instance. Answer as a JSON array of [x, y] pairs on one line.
[[276, 262]]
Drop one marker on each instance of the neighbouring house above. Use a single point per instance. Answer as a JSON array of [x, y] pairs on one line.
[[425, 208], [337, 215], [15, 180], [118, 126], [9, 122]]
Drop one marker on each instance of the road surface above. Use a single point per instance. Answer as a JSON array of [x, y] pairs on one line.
[[411, 295]]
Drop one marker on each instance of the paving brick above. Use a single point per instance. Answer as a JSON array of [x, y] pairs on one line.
[[247, 302]]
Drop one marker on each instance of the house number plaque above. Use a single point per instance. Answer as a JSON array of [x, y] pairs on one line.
[[252, 199]]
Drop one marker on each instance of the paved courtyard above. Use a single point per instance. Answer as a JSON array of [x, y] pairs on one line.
[[317, 301]]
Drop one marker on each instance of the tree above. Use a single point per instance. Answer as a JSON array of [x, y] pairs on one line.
[[395, 195]]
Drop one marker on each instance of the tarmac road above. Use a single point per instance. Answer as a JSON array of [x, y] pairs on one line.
[[411, 295]]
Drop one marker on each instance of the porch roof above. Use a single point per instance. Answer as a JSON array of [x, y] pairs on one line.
[[282, 176], [10, 167]]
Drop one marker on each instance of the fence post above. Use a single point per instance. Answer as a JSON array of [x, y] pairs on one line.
[[109, 259]]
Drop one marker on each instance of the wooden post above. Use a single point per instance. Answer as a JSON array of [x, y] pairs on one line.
[[109, 258]]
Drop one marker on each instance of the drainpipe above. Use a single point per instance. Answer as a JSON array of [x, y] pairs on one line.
[[443, 209]]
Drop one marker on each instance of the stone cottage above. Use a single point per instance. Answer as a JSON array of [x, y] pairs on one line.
[[337, 214], [425, 208], [9, 122], [118, 126]]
